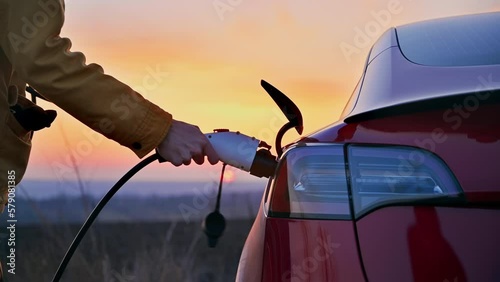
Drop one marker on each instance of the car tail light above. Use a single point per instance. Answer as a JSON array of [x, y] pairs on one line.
[[311, 182], [336, 181], [397, 175]]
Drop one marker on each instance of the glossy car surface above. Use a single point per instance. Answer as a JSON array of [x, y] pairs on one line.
[[405, 186]]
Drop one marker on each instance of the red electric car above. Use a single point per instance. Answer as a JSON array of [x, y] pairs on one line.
[[406, 185]]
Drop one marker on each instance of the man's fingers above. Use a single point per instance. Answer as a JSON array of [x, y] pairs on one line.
[[199, 159], [176, 162], [212, 156], [186, 157]]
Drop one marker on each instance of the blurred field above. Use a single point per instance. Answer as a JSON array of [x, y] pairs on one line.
[[122, 252]]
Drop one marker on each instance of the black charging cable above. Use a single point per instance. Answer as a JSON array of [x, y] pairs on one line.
[[219, 193], [215, 223], [93, 215]]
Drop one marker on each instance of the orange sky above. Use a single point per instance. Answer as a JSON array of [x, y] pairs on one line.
[[215, 60]]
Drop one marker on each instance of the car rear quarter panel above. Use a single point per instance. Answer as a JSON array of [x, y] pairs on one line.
[[310, 250], [430, 244]]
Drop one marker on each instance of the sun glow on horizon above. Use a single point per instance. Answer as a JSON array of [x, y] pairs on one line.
[[229, 176]]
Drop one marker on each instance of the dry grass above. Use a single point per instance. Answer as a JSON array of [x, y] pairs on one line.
[[120, 252]]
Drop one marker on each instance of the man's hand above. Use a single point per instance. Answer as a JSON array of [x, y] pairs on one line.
[[185, 142]]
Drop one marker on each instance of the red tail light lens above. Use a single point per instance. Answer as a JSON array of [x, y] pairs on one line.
[[393, 175], [331, 180], [311, 182]]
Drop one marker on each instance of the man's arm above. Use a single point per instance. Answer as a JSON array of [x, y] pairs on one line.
[[44, 60]]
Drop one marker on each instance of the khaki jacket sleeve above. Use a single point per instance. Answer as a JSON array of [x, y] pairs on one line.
[[44, 60]]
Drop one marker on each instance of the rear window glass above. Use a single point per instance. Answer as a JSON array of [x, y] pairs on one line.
[[460, 41]]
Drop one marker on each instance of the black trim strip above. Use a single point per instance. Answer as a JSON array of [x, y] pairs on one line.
[[351, 206]]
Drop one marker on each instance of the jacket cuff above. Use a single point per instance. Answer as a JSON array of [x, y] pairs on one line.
[[151, 131]]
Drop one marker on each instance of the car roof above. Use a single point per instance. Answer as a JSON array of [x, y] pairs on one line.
[[391, 80]]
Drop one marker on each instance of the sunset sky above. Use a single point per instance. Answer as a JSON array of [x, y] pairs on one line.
[[215, 53]]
